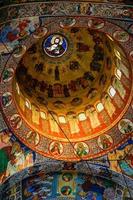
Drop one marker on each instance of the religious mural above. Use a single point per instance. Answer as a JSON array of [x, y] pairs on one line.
[[55, 46], [85, 116], [64, 184], [14, 155], [13, 33], [47, 93], [24, 1], [94, 9]]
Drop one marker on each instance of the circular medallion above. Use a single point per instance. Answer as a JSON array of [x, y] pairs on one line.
[[7, 74], [55, 45], [56, 148], [121, 36], [96, 23], [6, 99], [33, 138], [15, 121], [67, 177], [105, 141], [19, 51], [66, 190], [81, 149], [125, 126], [131, 55], [68, 22]]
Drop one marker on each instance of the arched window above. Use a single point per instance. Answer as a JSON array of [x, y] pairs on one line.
[[110, 37], [43, 115], [82, 117], [117, 53], [17, 88], [28, 104], [118, 73], [35, 114], [62, 119], [99, 107], [112, 91]]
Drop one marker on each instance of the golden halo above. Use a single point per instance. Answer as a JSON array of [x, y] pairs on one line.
[[55, 37]]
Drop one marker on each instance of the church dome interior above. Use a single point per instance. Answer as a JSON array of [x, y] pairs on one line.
[[66, 103]]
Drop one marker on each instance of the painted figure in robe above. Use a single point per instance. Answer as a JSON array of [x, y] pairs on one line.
[[92, 114], [119, 87], [106, 100], [73, 123], [53, 119]]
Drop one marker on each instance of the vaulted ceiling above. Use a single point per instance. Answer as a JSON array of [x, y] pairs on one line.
[[66, 94]]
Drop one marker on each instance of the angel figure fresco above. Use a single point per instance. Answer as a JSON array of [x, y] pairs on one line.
[[55, 45]]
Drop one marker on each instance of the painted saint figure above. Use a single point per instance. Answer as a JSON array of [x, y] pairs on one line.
[[56, 148], [57, 74], [53, 120], [5, 149], [33, 138], [55, 45], [81, 149], [8, 74], [15, 121], [119, 87], [106, 100], [125, 126], [6, 99], [73, 123], [105, 141], [92, 114]]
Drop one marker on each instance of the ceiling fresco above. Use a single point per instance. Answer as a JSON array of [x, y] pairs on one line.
[[66, 100], [7, 2], [67, 92], [66, 182], [63, 8], [68, 80]]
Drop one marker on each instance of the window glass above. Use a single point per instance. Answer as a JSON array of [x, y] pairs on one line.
[[82, 117]]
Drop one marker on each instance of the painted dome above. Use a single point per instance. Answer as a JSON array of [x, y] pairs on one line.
[[70, 87], [70, 75]]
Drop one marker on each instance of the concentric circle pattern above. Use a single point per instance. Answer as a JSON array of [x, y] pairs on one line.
[[68, 91]]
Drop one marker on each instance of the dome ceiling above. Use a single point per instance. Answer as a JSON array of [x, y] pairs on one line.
[[70, 83], [67, 75]]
